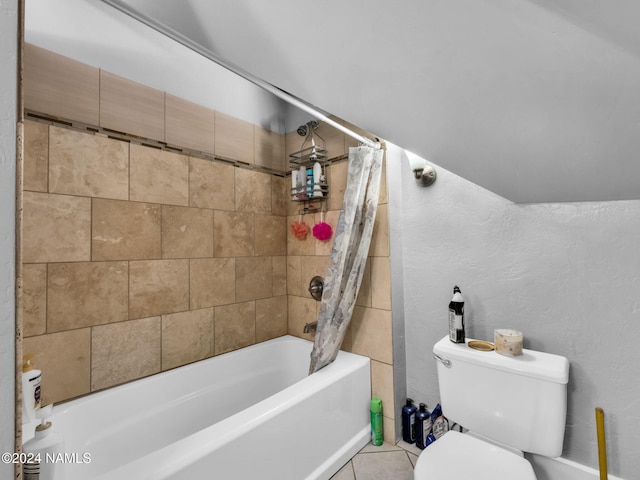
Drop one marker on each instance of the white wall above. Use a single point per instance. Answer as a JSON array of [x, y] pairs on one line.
[[566, 274], [8, 55], [96, 34]]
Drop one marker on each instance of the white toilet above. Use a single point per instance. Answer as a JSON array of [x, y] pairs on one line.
[[510, 405]]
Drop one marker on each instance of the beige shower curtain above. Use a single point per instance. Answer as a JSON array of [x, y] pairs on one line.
[[349, 254]]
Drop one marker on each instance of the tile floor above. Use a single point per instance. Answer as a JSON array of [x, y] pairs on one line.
[[386, 462]]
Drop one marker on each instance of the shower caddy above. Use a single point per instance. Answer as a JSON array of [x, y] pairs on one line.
[[307, 190]]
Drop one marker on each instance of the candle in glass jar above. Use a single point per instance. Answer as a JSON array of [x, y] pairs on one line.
[[508, 342]]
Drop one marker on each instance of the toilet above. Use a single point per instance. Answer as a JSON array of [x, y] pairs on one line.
[[509, 405]]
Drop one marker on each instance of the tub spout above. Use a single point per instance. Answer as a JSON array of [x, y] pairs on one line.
[[310, 327]]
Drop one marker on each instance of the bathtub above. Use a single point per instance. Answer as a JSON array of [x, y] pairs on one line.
[[248, 414]]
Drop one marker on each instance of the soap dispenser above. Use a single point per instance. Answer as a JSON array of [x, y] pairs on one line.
[[45, 451]]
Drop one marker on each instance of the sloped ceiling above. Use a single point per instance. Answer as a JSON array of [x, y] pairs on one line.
[[535, 100]]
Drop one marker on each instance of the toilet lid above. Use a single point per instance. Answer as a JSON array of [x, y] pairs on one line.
[[456, 456]]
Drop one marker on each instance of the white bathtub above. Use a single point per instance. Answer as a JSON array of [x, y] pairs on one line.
[[248, 414]]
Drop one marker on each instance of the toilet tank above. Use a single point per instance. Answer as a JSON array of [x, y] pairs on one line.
[[519, 401]]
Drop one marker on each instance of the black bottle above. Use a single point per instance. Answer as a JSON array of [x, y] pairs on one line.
[[456, 317], [423, 426], [409, 422]]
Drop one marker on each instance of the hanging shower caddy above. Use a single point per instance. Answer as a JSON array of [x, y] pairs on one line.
[[308, 170]]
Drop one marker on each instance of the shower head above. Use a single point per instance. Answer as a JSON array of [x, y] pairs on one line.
[[304, 129]]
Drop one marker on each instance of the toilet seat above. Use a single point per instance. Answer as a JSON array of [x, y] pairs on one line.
[[456, 456]]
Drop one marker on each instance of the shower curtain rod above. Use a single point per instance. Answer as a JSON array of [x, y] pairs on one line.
[[178, 37]]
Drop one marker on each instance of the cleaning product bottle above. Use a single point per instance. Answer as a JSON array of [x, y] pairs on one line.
[[439, 421], [44, 451], [376, 421], [423, 426], [456, 317], [31, 378], [409, 422]]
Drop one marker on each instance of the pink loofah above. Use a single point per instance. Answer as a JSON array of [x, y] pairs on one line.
[[300, 230], [322, 231]]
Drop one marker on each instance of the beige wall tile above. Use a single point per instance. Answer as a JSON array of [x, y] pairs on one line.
[[371, 330], [364, 295], [382, 386], [347, 342], [380, 283], [211, 184], [125, 230], [34, 297], [89, 165], [130, 107], [234, 138], [271, 318], [269, 149], [294, 275], [36, 156], [337, 178], [292, 143], [310, 267], [300, 311], [233, 234], [212, 282], [380, 238], [186, 232], [124, 351], [64, 359], [280, 191], [293, 208], [86, 293], [254, 278], [323, 247], [59, 86], [271, 232], [389, 429], [279, 276], [57, 228], [158, 176], [189, 125], [158, 287], [383, 197], [186, 337], [334, 138], [235, 326], [300, 247], [253, 191]]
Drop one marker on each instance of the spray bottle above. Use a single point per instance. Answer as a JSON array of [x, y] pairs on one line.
[[376, 422], [456, 317]]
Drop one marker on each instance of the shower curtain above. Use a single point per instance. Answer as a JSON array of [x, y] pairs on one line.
[[348, 255]]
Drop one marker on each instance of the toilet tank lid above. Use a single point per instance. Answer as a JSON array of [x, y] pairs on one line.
[[545, 366]]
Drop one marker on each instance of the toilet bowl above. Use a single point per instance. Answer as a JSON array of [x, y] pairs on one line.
[[457, 456], [503, 401]]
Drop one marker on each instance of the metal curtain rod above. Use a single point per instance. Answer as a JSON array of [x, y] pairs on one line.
[[178, 37]]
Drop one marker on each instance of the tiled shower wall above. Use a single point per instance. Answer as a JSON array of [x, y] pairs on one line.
[[138, 259]]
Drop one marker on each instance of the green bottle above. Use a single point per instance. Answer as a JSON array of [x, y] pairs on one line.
[[376, 421]]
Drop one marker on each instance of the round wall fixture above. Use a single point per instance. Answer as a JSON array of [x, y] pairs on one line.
[[315, 287]]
